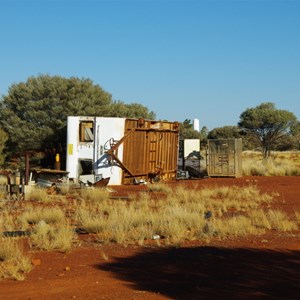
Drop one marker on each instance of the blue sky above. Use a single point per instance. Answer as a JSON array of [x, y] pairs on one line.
[[186, 59]]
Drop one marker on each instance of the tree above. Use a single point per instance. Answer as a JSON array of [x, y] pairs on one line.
[[290, 141], [132, 110], [226, 132], [203, 136], [187, 131], [204, 133], [34, 113], [3, 139], [233, 132], [267, 124], [295, 131]]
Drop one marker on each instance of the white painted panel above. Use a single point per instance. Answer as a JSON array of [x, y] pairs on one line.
[[108, 131], [191, 146], [77, 150], [72, 141]]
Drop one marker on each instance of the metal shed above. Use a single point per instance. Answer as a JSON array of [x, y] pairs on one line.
[[224, 158], [122, 149]]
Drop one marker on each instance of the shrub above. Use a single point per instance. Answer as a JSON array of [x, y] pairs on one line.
[[47, 214], [13, 263], [280, 221], [40, 194], [259, 219], [297, 215], [6, 220], [279, 164], [179, 214], [50, 237], [95, 195]]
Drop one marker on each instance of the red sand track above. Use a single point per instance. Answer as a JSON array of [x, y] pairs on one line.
[[264, 267]]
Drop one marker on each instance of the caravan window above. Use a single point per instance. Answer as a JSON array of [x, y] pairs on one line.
[[86, 131]]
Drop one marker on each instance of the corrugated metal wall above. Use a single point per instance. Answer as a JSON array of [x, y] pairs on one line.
[[148, 147]]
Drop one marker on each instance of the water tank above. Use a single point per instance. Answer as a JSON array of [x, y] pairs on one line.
[[196, 125]]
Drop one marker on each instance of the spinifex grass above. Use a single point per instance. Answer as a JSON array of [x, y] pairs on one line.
[[279, 221], [278, 164], [297, 216], [163, 212], [3, 180], [94, 195], [52, 237], [40, 194], [181, 214], [7, 220], [13, 263], [50, 215]]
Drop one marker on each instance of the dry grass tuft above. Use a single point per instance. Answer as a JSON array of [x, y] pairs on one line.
[[50, 237], [239, 225], [297, 216], [95, 195], [104, 256], [159, 187], [13, 263], [279, 164], [40, 194], [259, 219], [3, 180], [279, 221], [49, 215], [7, 220]]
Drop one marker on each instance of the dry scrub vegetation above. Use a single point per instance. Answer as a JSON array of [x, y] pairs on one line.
[[279, 164], [177, 215], [13, 263], [161, 212]]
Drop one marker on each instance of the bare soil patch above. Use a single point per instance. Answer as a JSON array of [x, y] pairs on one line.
[[253, 267]]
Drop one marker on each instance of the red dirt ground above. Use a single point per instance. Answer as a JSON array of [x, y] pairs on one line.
[[264, 267]]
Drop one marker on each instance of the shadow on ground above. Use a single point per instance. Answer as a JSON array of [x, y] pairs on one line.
[[211, 273]]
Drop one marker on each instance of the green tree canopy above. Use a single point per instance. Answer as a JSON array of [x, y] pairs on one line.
[[290, 141], [131, 110], [3, 139], [233, 132], [34, 113], [267, 124], [226, 132]]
